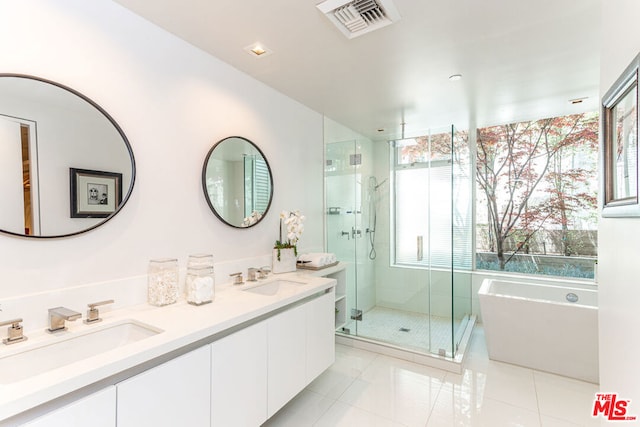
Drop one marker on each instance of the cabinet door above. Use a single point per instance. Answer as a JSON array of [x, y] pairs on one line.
[[239, 378], [320, 335], [287, 357], [96, 410], [176, 393]]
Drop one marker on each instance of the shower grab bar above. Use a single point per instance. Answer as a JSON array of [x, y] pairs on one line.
[[420, 248]]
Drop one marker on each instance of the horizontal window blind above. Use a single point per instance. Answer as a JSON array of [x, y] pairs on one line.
[[262, 185], [427, 231]]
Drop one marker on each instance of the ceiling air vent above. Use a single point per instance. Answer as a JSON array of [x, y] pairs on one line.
[[357, 17]]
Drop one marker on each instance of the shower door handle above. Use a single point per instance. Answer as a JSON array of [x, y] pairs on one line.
[[355, 233], [420, 248]]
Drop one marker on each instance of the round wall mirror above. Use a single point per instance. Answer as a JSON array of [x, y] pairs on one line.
[[237, 182], [66, 167]]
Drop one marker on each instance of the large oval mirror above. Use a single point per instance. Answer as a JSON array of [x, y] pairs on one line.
[[66, 167], [237, 182]]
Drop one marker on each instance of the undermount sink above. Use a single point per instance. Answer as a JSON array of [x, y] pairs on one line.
[[70, 347], [276, 287]]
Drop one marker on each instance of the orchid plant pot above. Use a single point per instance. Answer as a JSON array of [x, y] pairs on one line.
[[286, 262]]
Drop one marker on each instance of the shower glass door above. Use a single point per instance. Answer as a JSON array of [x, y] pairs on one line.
[[461, 234], [450, 238], [343, 216], [422, 174], [396, 214]]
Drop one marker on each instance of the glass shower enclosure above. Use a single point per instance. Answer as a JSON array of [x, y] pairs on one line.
[[398, 213]]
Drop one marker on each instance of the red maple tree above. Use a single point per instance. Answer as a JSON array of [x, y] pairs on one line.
[[515, 161]]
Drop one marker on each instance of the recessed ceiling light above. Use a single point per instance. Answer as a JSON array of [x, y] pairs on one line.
[[258, 50], [577, 100], [455, 77]]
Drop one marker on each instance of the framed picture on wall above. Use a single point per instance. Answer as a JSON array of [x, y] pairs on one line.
[[620, 118], [94, 194]]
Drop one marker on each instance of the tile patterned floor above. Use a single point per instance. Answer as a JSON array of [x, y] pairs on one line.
[[367, 389], [386, 325]]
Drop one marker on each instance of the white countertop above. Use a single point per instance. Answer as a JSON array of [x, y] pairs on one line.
[[182, 324]]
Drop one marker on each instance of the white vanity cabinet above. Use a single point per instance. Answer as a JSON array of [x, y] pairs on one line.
[[239, 378], [258, 369], [96, 410], [321, 348], [176, 393], [287, 332], [301, 346], [339, 274]]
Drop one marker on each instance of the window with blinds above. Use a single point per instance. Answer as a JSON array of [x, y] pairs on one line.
[[257, 185], [432, 205]]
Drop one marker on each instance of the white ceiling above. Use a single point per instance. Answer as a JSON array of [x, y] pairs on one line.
[[520, 59]]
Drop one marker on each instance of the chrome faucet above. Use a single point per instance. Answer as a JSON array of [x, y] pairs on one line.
[[263, 272], [15, 331], [238, 278], [251, 274], [57, 317], [93, 315]]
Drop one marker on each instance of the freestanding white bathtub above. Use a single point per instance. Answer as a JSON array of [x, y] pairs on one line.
[[546, 327]]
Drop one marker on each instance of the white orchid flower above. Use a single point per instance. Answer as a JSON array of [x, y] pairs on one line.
[[293, 226]]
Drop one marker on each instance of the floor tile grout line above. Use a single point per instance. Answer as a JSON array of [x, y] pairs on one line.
[[530, 371], [360, 364], [326, 411], [535, 389], [435, 401], [315, 423]]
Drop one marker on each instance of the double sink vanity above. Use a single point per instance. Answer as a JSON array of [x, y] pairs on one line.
[[235, 361]]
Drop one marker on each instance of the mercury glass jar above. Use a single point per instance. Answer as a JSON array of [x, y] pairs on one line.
[[162, 281], [199, 284]]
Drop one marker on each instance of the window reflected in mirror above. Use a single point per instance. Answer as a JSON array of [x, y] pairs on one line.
[[237, 182], [624, 146], [620, 145]]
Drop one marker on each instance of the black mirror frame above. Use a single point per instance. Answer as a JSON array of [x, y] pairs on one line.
[[120, 132], [204, 182]]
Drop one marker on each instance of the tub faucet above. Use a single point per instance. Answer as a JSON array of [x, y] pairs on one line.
[[57, 317]]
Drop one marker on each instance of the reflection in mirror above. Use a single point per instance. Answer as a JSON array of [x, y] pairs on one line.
[[237, 182], [46, 129], [624, 146], [620, 144]]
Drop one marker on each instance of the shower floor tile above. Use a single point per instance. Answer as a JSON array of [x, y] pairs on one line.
[[405, 329]]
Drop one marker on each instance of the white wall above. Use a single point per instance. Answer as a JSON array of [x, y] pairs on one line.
[[619, 251], [173, 102]]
